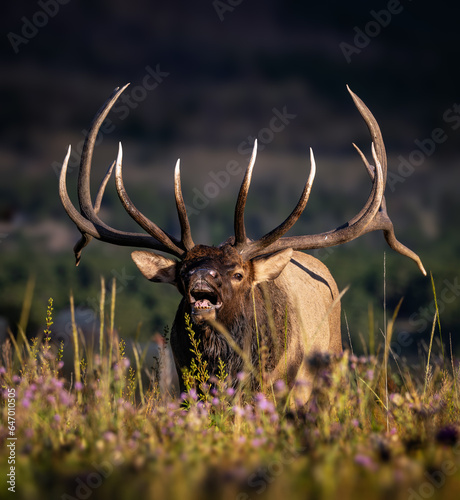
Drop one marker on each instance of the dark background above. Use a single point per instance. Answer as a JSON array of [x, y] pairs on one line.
[[226, 66]]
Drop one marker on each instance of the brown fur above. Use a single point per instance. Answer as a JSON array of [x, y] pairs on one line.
[[290, 289]]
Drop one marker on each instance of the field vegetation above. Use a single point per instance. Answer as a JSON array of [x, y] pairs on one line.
[[377, 426]]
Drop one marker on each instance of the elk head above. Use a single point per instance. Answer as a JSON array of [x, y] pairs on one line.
[[212, 279]]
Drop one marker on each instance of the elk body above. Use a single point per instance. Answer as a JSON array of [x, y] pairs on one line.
[[242, 294]]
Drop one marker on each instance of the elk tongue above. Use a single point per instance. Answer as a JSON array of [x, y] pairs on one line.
[[203, 304]]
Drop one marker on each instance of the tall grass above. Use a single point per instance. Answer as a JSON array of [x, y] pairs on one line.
[[374, 427]]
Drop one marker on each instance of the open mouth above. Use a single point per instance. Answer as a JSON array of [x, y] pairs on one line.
[[204, 300]]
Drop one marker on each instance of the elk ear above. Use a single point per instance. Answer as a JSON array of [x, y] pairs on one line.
[[269, 267], [155, 267]]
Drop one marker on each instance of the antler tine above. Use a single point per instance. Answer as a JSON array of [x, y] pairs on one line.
[[374, 130], [88, 222], [240, 231], [91, 230], [276, 233], [102, 186], [373, 216], [168, 244], [84, 225], [86, 238], [383, 222], [186, 233], [167, 240], [369, 168], [342, 234], [84, 189]]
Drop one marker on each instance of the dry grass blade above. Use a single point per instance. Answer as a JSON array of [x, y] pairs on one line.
[[429, 353], [101, 314], [374, 393], [138, 372], [16, 347], [25, 310], [258, 339], [453, 368], [75, 345], [388, 336], [437, 314]]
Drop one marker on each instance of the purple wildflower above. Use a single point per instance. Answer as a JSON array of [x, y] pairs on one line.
[[365, 462], [258, 442], [78, 386], [65, 398], [280, 385], [266, 405], [109, 436], [230, 391], [28, 395], [59, 384]]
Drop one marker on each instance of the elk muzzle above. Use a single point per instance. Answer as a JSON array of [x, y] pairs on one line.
[[204, 293]]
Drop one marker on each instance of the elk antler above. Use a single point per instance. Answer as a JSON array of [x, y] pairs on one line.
[[88, 222], [372, 217]]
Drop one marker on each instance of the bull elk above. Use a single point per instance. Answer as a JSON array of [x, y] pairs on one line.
[[234, 291]]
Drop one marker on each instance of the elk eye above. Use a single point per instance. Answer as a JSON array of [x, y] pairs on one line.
[[238, 276]]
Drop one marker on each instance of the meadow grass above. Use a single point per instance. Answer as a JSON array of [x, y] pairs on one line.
[[376, 426]]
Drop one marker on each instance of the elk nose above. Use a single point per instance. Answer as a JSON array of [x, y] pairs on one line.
[[208, 272], [204, 271]]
